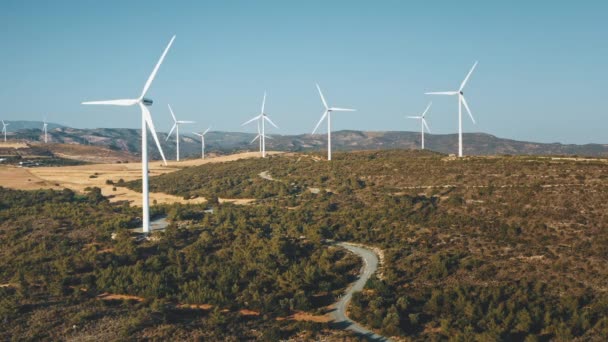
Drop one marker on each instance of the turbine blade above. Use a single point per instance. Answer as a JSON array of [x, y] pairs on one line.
[[146, 113], [442, 93], [207, 130], [466, 79], [263, 103], [338, 109], [185, 122], [153, 74], [267, 136], [171, 111], [322, 118], [252, 120], [254, 139], [414, 117], [425, 125], [268, 119], [122, 102], [466, 106], [322, 98], [426, 110], [200, 135], [171, 131]]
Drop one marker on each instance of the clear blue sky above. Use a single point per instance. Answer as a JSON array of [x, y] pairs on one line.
[[542, 74]]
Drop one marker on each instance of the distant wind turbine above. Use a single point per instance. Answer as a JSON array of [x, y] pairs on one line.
[[146, 122], [261, 118], [461, 101], [44, 127], [202, 135], [176, 128], [327, 113], [4, 124], [423, 123]]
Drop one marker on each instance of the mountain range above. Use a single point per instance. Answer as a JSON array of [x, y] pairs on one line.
[[128, 141]]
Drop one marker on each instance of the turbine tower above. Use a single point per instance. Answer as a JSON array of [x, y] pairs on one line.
[[202, 135], [44, 126], [4, 124], [261, 118], [327, 113], [422, 123], [461, 101], [146, 122], [176, 128]]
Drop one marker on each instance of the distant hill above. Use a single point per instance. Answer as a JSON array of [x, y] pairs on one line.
[[23, 124], [128, 140]]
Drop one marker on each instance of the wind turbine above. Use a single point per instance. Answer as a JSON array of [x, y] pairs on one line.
[[262, 118], [146, 122], [202, 135], [4, 124], [327, 113], [423, 122], [44, 126], [461, 101], [176, 128]]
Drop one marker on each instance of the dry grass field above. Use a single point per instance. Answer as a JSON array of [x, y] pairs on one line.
[[10, 144], [80, 177]]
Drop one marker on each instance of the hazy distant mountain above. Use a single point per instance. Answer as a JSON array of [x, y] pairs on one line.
[[23, 124], [128, 140]]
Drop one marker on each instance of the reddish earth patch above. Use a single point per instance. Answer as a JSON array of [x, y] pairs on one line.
[[306, 317], [245, 312], [113, 296]]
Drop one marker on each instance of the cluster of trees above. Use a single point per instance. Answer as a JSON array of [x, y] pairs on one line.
[[58, 256], [483, 225]]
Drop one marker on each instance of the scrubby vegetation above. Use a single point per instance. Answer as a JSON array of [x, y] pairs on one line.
[[494, 248], [57, 258], [490, 248]]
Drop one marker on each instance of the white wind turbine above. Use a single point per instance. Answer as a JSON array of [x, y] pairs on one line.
[[44, 126], [146, 122], [4, 124], [176, 128], [423, 122], [202, 135], [262, 118], [461, 101], [327, 113]]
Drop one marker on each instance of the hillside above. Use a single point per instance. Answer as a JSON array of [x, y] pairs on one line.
[[60, 154], [478, 248], [128, 140], [494, 248]]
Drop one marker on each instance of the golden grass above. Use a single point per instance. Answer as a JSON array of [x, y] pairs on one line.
[[78, 178], [10, 144]]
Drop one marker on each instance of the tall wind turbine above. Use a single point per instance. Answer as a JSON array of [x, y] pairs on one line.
[[261, 118], [44, 126], [202, 135], [146, 122], [4, 124], [176, 128], [423, 122], [461, 101], [327, 113]]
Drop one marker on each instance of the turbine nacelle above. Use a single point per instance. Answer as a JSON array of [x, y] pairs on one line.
[[147, 102]]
